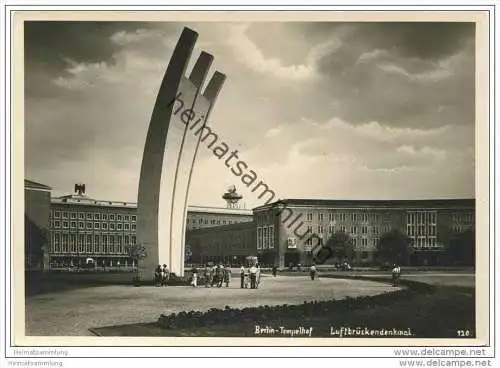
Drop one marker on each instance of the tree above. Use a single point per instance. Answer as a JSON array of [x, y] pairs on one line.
[[462, 248], [339, 246], [136, 252], [394, 247]]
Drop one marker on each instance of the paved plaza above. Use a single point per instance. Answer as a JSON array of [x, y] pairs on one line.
[[72, 313]]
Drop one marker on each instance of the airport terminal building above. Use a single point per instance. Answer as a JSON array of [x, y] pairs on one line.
[[80, 227], [77, 227], [284, 228]]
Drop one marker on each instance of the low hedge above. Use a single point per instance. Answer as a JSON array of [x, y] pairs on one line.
[[303, 311], [307, 310]]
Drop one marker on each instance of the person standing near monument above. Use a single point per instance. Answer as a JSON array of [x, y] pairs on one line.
[[216, 275], [247, 277], [313, 271], [398, 274], [242, 276], [208, 278], [165, 275], [194, 281], [396, 270], [275, 270], [253, 277], [220, 278], [257, 281], [213, 276], [227, 275], [158, 275]]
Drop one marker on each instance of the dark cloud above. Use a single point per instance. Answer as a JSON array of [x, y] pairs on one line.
[[414, 74], [373, 94], [51, 45], [422, 40]]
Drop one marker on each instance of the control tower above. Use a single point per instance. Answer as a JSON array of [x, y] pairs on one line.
[[232, 197]]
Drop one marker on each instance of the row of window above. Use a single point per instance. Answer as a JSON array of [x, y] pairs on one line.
[[413, 216], [341, 216], [265, 237], [360, 242], [357, 242], [93, 216], [461, 228], [421, 230], [354, 230], [463, 218], [58, 224], [65, 261], [364, 242], [421, 218], [90, 239], [64, 243], [424, 241], [212, 222], [89, 249]]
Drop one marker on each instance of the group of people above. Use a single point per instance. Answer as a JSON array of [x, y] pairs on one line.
[[250, 275], [162, 274], [219, 275], [216, 275]]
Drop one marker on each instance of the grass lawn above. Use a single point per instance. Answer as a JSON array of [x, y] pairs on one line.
[[429, 311]]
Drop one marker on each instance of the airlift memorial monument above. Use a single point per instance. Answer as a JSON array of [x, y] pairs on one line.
[[169, 157]]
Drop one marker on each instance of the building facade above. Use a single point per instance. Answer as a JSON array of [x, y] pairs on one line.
[[36, 224], [229, 244], [79, 228], [82, 228], [284, 229], [199, 217]]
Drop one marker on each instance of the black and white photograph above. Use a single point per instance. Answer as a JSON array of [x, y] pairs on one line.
[[265, 179]]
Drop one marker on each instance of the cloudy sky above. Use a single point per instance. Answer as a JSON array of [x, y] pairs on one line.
[[317, 110]]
